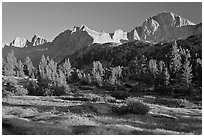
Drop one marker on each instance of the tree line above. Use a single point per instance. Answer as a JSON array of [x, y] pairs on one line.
[[54, 79]]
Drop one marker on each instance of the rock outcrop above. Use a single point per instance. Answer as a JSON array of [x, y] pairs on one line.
[[167, 27], [20, 42], [38, 40]]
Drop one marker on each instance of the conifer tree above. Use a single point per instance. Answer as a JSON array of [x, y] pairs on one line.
[[61, 79], [29, 68], [21, 68], [116, 73], [143, 64], [175, 63], [135, 66], [166, 76], [51, 70], [161, 66], [153, 67], [187, 71], [98, 72], [10, 64], [67, 68], [42, 67]]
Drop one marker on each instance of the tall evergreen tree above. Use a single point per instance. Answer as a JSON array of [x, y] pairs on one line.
[[166, 76], [28, 67], [61, 79], [143, 63], [187, 71], [98, 72], [51, 70], [67, 68], [116, 74], [175, 64], [10, 65], [153, 67], [21, 68], [161, 65], [42, 67]]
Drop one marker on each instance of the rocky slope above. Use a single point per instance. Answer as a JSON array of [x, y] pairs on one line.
[[24, 43], [167, 26], [38, 40], [20, 42], [164, 27]]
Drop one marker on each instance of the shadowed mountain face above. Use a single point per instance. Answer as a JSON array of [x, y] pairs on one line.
[[164, 27]]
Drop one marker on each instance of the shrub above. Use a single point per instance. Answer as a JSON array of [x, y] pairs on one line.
[[93, 97], [134, 106], [10, 87], [120, 94], [21, 91], [110, 99], [33, 88], [61, 90], [6, 93], [163, 90], [182, 90]]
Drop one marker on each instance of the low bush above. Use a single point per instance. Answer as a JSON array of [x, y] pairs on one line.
[[10, 87], [93, 97], [61, 90], [6, 94], [20, 91], [182, 90], [110, 99], [33, 89], [9, 84], [133, 106], [120, 94], [163, 90]]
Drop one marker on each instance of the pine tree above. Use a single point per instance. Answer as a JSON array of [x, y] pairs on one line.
[[161, 66], [61, 79], [29, 68], [67, 68], [175, 63], [61, 86], [116, 74], [42, 67], [10, 64], [135, 66], [21, 68], [187, 71], [51, 70], [166, 77], [143, 63], [98, 72], [153, 67]]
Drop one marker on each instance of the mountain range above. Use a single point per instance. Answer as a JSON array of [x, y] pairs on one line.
[[162, 28]]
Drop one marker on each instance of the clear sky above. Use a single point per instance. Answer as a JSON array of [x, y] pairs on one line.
[[49, 19]]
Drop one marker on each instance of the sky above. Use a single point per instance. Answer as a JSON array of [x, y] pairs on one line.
[[48, 19]]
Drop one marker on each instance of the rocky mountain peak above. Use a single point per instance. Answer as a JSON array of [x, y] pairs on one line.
[[38, 40], [166, 26], [19, 42], [168, 18]]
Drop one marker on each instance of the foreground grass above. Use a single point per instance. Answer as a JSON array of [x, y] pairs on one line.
[[90, 113]]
